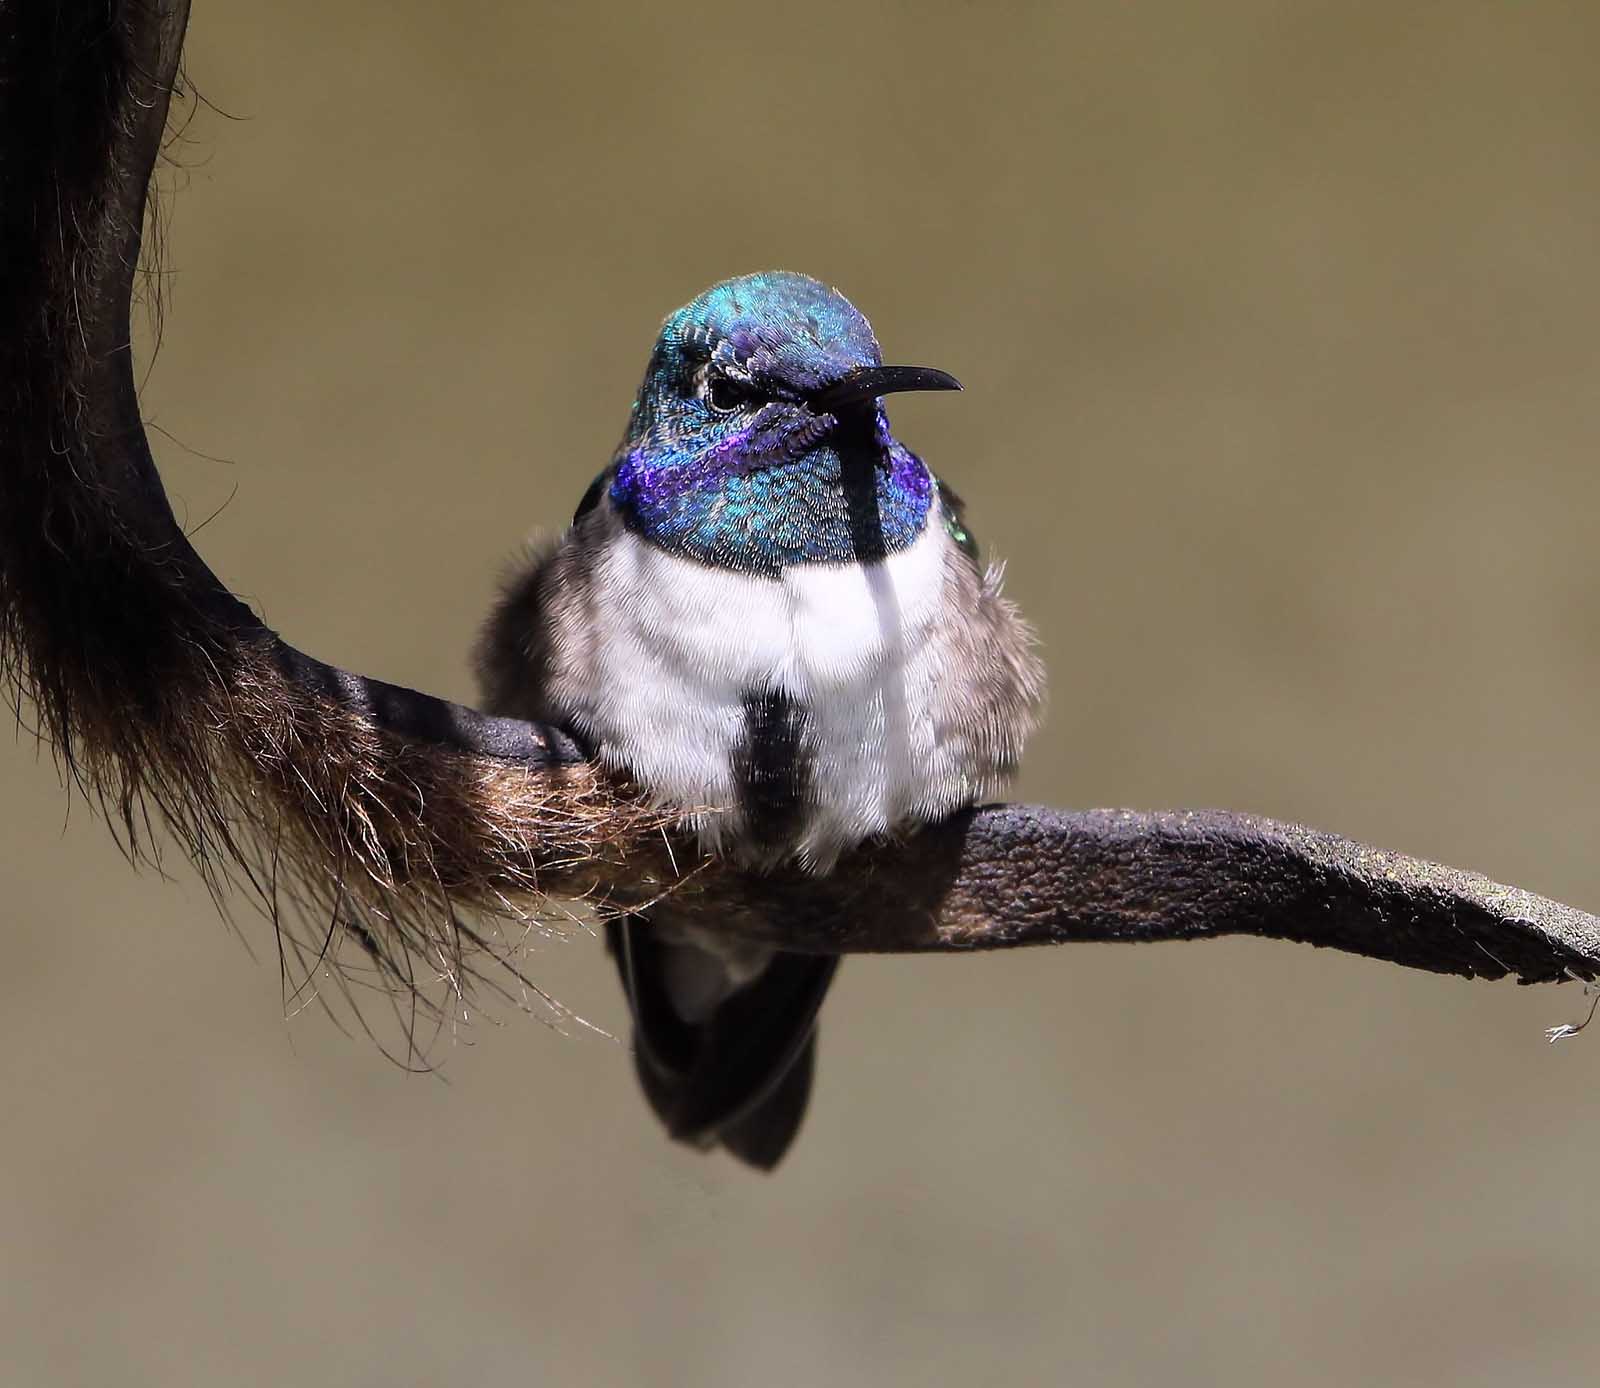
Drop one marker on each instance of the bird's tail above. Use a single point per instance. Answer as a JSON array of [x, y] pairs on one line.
[[737, 1070]]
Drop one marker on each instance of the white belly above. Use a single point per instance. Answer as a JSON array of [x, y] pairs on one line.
[[661, 684]]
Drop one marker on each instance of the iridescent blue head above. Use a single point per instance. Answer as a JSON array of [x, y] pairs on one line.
[[759, 439]]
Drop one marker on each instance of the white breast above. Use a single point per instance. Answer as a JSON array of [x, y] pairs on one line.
[[658, 674]]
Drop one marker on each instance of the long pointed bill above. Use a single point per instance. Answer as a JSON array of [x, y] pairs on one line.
[[869, 382]]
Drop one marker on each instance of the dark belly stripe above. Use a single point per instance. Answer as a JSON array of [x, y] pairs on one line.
[[772, 770]]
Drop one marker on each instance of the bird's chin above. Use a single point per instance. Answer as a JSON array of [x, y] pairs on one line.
[[797, 439], [809, 450]]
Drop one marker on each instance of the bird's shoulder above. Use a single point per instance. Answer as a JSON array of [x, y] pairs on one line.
[[597, 490], [951, 513]]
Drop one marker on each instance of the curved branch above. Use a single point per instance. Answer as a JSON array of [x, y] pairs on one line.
[[385, 809], [1010, 875]]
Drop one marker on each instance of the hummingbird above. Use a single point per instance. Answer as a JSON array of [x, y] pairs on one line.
[[772, 617]]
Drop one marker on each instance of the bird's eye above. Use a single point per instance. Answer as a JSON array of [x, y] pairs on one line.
[[727, 395]]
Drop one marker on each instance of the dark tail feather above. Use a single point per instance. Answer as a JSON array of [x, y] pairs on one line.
[[762, 1135], [743, 1076]]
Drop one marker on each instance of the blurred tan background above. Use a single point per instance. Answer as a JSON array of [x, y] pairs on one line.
[[1278, 324]]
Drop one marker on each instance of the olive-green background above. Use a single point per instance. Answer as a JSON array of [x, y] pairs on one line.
[[1278, 325]]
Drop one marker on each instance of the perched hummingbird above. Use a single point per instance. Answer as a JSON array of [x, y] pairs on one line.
[[769, 614]]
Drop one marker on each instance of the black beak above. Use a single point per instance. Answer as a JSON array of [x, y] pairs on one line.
[[869, 382]]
